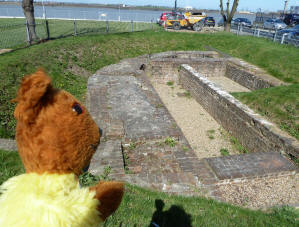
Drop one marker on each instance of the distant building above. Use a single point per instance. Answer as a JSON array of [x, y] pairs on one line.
[[294, 9], [188, 8]]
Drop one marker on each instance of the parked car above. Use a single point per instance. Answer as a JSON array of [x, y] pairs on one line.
[[221, 22], [291, 19], [165, 15], [274, 24], [243, 22], [292, 32], [209, 21]]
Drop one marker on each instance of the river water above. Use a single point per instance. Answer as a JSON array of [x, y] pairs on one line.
[[89, 13]]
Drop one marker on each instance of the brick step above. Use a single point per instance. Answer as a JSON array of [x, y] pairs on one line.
[[108, 154], [253, 165]]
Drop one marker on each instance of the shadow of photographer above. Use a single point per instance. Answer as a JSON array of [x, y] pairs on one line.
[[174, 217]]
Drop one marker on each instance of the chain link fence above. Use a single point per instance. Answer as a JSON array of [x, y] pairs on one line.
[[14, 33]]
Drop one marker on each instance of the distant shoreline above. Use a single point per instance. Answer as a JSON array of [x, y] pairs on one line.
[[111, 6]]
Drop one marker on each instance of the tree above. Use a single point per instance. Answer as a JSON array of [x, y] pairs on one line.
[[227, 18], [28, 9]]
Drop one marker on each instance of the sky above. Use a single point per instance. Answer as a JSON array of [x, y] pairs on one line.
[[251, 5]]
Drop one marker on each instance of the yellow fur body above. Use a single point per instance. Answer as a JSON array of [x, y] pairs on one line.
[[56, 200]]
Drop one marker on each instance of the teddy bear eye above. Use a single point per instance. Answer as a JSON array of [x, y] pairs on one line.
[[77, 108]]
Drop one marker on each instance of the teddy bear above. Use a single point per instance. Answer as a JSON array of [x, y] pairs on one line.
[[56, 138]]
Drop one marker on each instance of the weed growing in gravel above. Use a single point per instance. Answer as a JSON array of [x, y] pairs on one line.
[[170, 142], [159, 105], [224, 152], [211, 134], [187, 94], [126, 163], [185, 148], [238, 145], [88, 179], [170, 83], [235, 142], [132, 146]]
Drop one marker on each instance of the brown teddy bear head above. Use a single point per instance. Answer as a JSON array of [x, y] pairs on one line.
[[55, 133]]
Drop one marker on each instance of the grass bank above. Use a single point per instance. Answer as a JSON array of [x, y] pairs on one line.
[[69, 61], [13, 31], [140, 207], [278, 104]]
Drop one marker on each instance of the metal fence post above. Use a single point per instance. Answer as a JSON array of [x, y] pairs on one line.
[[75, 28], [282, 38], [107, 26], [48, 30], [241, 29], [27, 32], [131, 25], [274, 38], [258, 33], [152, 24], [255, 30]]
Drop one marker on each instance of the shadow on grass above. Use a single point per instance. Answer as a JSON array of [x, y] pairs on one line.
[[175, 216]]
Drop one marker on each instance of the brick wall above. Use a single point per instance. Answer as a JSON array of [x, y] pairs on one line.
[[245, 78], [167, 69], [255, 133]]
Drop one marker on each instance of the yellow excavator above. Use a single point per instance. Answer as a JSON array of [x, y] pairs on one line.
[[189, 19]]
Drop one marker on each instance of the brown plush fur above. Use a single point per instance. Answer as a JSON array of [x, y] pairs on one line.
[[54, 138], [108, 193]]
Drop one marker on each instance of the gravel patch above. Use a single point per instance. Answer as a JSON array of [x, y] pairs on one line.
[[203, 133], [262, 193]]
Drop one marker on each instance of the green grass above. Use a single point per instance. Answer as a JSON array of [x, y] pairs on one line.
[[170, 209], [170, 142], [13, 31], [278, 104], [224, 152], [62, 58], [10, 165]]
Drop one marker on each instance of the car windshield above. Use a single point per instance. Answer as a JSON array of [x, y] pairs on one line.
[[209, 18], [278, 21]]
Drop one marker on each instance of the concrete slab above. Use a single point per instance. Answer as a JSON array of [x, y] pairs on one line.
[[133, 103], [228, 84], [108, 156], [257, 164]]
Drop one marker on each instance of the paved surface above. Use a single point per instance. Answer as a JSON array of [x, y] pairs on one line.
[[142, 144], [228, 84], [250, 165], [8, 144]]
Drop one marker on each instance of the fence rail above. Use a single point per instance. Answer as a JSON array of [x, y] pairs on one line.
[[14, 32], [274, 35]]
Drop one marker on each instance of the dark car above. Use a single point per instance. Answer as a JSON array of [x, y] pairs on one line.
[[292, 32], [221, 22], [291, 19], [209, 21], [243, 22]]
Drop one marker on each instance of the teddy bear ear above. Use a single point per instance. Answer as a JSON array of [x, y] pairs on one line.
[[30, 93]]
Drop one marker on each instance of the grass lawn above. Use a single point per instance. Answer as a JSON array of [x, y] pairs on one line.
[[10, 165], [140, 207], [67, 59], [13, 31], [278, 104]]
